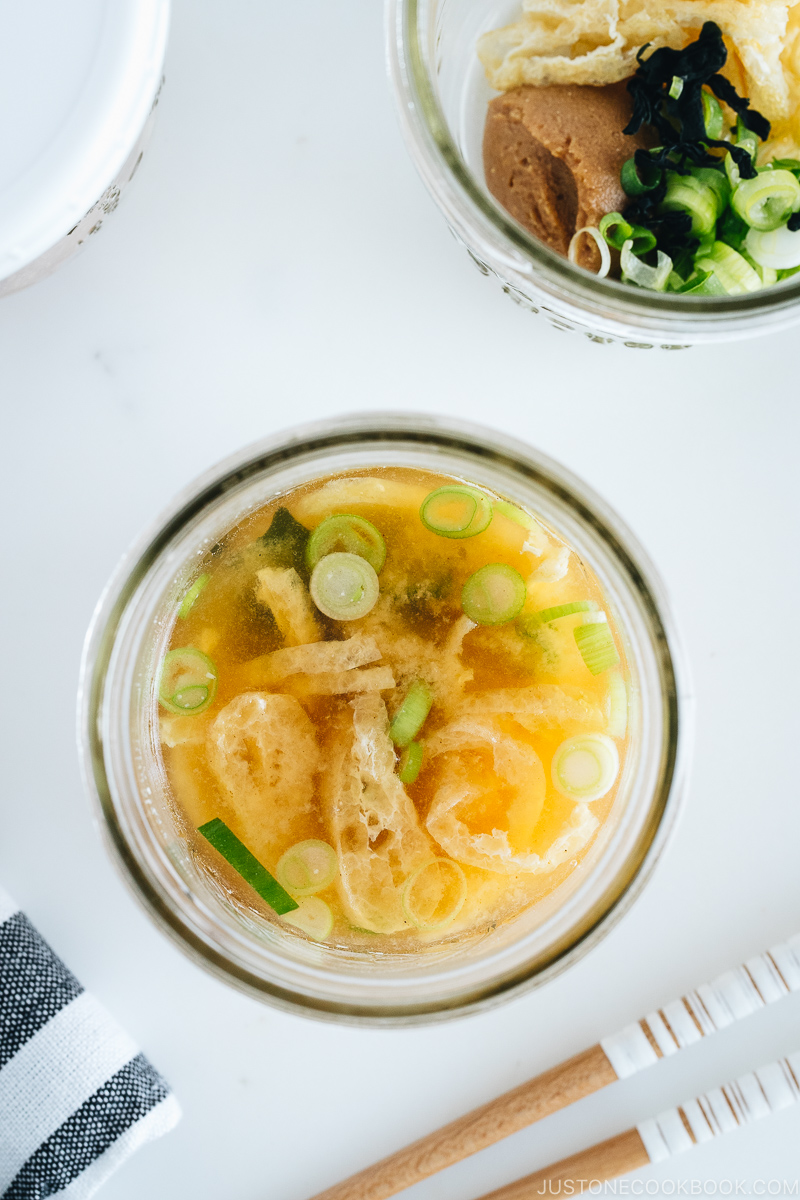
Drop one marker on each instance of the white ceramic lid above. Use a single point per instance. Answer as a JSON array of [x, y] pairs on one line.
[[77, 82]]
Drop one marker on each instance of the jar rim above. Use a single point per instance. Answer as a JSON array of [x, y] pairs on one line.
[[386, 429], [465, 204]]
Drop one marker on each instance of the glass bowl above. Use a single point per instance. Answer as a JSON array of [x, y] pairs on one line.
[[441, 96], [84, 81], [124, 771]]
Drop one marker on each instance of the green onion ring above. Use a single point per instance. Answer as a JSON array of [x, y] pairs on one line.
[[456, 511], [188, 681], [344, 586], [347, 533], [493, 595]]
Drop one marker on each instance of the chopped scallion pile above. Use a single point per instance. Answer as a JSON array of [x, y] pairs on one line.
[[703, 210], [226, 843]]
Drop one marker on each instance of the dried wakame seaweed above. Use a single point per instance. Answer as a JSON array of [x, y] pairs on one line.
[[677, 114], [667, 93]]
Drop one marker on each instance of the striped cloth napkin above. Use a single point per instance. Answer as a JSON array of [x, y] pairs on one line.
[[76, 1096]]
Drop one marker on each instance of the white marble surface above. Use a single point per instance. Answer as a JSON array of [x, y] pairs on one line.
[[278, 260]]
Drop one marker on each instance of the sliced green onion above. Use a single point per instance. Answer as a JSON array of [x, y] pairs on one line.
[[307, 867], [683, 264], [787, 164], [787, 274], [313, 917], [731, 229], [596, 644], [188, 682], [779, 248], [226, 843], [718, 182], [599, 241], [705, 283], [412, 713], [644, 240], [615, 229], [706, 246], [546, 615], [344, 532], [514, 513], [745, 137], [732, 171], [456, 512], [768, 200], [733, 272], [344, 586], [633, 184], [617, 705], [676, 87], [713, 116], [635, 271], [767, 275], [411, 762], [434, 894], [687, 193], [493, 595], [585, 767], [194, 591]]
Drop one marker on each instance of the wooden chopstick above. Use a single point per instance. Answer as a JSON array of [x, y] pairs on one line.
[[482, 1127], [747, 1099], [710, 1007], [607, 1160]]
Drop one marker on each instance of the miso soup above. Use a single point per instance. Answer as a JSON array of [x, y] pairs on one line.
[[393, 710]]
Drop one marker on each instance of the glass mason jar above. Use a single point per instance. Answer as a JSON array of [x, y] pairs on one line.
[[441, 96], [85, 78], [124, 770]]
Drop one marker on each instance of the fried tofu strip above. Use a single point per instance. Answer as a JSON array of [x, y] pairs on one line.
[[532, 707], [282, 591], [317, 658], [345, 494], [263, 752], [182, 731], [373, 825], [517, 767], [340, 683]]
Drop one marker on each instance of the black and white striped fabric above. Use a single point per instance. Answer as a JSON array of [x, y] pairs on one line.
[[76, 1096]]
